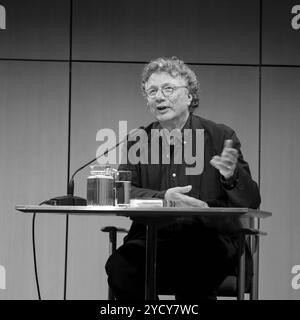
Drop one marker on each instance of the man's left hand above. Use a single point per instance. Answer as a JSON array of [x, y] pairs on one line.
[[226, 163]]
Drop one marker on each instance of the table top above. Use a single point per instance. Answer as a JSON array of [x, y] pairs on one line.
[[145, 212]]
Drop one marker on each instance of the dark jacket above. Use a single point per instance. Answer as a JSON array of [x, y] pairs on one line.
[[152, 180]]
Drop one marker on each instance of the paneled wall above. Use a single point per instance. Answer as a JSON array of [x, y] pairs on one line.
[[279, 187], [197, 31], [70, 68], [33, 139]]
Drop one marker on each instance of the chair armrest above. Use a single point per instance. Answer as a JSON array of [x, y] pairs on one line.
[[112, 233], [113, 229], [251, 231]]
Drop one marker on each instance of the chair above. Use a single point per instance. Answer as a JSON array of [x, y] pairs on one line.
[[232, 286]]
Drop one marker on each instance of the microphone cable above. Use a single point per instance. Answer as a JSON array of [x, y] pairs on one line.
[[34, 257], [34, 253]]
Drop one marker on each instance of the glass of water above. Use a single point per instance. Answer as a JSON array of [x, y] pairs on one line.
[[122, 188]]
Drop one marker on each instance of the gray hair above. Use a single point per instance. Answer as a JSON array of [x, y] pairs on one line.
[[174, 67]]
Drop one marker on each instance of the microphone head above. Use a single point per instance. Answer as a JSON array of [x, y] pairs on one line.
[[71, 187]]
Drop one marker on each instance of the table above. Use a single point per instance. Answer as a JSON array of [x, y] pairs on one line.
[[151, 217]]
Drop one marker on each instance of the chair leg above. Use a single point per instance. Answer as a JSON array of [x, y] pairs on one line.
[[241, 271], [111, 295], [112, 249], [112, 233]]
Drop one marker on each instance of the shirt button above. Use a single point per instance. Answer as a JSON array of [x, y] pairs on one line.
[[173, 175]]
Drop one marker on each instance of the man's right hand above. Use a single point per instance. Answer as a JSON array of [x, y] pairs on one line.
[[177, 194]]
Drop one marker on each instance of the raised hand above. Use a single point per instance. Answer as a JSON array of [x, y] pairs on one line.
[[226, 163]]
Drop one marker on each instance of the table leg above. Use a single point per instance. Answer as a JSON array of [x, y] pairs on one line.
[[151, 250]]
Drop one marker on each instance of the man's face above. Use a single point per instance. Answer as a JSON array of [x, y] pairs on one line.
[[171, 108]]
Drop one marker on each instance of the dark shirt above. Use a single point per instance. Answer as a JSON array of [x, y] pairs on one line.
[[152, 180]]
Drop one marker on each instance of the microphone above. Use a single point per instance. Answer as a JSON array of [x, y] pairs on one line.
[[70, 199]]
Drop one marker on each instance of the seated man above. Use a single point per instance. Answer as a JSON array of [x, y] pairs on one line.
[[193, 255]]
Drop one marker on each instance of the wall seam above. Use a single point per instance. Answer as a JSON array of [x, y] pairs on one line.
[[69, 147]]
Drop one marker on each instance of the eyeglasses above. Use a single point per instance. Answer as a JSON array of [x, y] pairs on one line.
[[167, 91]]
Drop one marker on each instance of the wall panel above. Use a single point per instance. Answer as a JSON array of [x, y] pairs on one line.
[[279, 181], [281, 41], [35, 29], [229, 95], [196, 31], [33, 143]]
